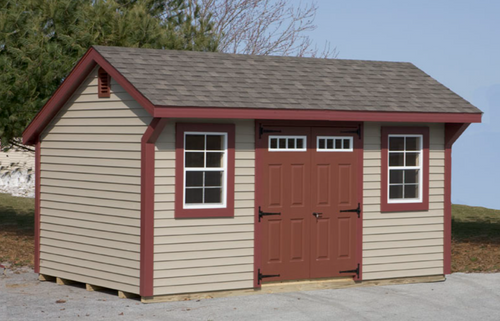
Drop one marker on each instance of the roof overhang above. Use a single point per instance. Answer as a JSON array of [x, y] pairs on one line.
[[92, 58], [329, 115]]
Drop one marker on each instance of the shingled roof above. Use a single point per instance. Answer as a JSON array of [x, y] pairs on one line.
[[205, 79]]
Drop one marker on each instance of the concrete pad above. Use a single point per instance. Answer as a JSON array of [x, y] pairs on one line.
[[460, 297]]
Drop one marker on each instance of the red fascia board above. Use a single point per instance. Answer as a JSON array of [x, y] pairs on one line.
[[82, 69], [331, 115], [61, 95], [452, 132], [37, 205]]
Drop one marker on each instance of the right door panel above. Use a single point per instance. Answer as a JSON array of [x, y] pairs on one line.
[[334, 179]]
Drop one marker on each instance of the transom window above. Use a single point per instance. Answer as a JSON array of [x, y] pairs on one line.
[[405, 168], [334, 144], [287, 143], [205, 170]]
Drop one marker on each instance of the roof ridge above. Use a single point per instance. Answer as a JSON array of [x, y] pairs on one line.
[[239, 55]]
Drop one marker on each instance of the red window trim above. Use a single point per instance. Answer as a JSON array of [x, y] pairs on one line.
[[385, 206], [180, 211]]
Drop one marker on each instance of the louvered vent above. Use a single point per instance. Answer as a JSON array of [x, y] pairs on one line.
[[104, 84]]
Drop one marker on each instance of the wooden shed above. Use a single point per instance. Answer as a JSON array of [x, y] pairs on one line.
[[164, 173]]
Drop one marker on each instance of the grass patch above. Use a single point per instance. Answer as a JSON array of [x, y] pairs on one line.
[[475, 245], [16, 230]]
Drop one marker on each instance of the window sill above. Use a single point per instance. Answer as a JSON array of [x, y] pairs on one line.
[[204, 213], [404, 207]]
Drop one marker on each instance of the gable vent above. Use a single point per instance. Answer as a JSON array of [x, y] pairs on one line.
[[104, 90]]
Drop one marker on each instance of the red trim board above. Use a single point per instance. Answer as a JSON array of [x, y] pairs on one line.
[[180, 211], [257, 240], [385, 206], [359, 241], [37, 204], [330, 115], [452, 132], [147, 203]]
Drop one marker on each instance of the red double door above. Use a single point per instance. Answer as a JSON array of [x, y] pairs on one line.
[[310, 178]]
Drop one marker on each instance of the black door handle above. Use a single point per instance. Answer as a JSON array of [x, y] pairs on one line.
[[318, 215]]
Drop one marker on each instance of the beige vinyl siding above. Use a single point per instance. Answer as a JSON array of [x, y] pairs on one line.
[[206, 254], [402, 244], [90, 189]]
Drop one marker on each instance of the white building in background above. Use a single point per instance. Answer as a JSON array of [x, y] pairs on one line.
[[17, 168]]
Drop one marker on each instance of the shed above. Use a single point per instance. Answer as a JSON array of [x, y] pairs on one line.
[[164, 173]]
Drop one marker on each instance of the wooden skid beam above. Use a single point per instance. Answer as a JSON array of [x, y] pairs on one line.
[[267, 288], [44, 277], [292, 286], [62, 281], [420, 279], [92, 288], [127, 295]]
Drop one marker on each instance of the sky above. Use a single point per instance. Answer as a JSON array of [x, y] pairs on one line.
[[457, 43]]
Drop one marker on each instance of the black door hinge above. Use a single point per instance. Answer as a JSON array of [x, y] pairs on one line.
[[352, 271], [263, 276], [355, 131], [355, 210], [266, 214], [263, 131]]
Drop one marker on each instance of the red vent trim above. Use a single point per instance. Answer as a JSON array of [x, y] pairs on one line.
[[104, 90]]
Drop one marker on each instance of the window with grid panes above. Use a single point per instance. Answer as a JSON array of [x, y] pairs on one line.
[[405, 168], [205, 170]]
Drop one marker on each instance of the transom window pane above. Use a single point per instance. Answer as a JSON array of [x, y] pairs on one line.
[[205, 169], [405, 168], [334, 144], [287, 143]]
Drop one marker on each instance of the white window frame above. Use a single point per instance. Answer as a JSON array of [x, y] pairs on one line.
[[404, 167], [350, 149], [185, 169], [303, 149]]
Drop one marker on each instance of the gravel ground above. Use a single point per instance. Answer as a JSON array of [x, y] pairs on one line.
[[460, 297]]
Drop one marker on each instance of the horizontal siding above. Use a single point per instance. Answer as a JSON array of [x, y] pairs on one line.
[[402, 244], [90, 189], [209, 254]]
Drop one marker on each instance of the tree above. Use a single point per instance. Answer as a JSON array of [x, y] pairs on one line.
[[264, 27], [41, 40]]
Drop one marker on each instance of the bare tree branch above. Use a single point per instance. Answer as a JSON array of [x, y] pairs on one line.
[[265, 27], [12, 142]]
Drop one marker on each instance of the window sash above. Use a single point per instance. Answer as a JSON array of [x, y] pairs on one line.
[[335, 138], [223, 169], [404, 167], [286, 138]]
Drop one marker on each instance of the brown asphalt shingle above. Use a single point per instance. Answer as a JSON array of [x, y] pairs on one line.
[[207, 79]]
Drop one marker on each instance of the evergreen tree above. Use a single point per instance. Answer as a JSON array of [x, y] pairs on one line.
[[41, 40]]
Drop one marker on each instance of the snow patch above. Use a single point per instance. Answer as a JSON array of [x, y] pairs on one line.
[[18, 182]]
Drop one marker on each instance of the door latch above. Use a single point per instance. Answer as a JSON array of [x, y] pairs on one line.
[[355, 210], [261, 214], [318, 215]]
